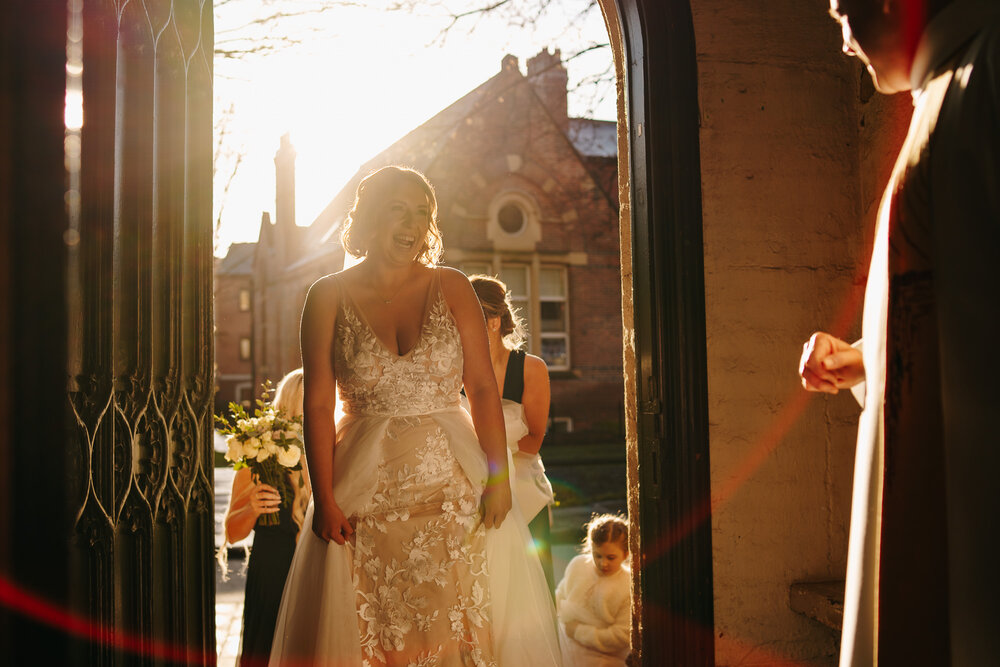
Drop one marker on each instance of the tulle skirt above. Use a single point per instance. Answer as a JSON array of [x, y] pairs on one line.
[[422, 579]]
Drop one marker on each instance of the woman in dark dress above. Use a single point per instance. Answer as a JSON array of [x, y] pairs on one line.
[[523, 381], [273, 546]]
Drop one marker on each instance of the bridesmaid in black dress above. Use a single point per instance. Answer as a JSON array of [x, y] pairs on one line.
[[273, 546], [523, 380]]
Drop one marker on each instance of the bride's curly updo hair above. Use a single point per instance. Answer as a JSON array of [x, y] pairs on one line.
[[361, 224], [495, 300]]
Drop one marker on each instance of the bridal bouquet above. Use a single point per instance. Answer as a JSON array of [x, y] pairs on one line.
[[268, 442]]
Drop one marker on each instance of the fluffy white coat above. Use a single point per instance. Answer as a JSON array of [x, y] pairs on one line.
[[603, 608]]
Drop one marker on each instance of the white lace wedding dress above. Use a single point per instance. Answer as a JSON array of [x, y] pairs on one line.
[[421, 583]]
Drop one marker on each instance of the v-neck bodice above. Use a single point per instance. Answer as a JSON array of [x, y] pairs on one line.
[[374, 380], [433, 288]]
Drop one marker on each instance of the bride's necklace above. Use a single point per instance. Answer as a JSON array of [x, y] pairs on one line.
[[380, 289], [388, 300]]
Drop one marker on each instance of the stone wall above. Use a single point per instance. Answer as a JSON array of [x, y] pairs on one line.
[[795, 149]]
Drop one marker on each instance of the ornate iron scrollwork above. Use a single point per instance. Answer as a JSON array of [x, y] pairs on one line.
[[140, 383]]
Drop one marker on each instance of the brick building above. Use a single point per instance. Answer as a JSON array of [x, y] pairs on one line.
[[234, 326], [525, 193]]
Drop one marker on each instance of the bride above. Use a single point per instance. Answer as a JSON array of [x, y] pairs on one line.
[[416, 556]]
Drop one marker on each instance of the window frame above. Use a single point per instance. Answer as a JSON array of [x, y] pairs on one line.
[[249, 348], [240, 302], [522, 302], [529, 305], [567, 423], [564, 299]]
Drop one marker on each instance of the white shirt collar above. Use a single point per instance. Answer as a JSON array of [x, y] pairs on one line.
[[946, 33]]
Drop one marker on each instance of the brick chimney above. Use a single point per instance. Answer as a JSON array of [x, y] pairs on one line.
[[547, 74], [284, 191], [284, 201]]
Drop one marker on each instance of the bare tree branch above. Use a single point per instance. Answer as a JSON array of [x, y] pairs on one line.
[[279, 16], [520, 15], [225, 191], [222, 131], [280, 25]]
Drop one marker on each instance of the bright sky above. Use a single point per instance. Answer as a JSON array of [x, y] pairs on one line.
[[360, 79]]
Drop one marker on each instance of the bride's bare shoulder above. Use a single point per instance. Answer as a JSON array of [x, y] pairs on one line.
[[454, 285], [324, 294], [452, 280], [459, 295], [347, 275]]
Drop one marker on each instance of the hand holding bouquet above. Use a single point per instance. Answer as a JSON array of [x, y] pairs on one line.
[[268, 442]]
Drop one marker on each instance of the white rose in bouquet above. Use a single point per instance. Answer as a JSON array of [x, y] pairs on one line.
[[234, 449], [267, 441], [289, 457], [250, 449]]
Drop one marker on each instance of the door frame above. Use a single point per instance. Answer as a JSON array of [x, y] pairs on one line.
[[663, 307]]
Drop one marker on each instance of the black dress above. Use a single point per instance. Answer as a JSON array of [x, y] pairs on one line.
[[541, 526], [270, 557]]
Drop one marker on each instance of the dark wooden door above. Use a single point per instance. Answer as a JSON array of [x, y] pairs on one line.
[[664, 307], [110, 513]]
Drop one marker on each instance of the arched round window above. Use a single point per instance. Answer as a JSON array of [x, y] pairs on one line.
[[514, 221], [511, 218]]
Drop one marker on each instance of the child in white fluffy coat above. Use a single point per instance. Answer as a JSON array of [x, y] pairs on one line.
[[593, 600]]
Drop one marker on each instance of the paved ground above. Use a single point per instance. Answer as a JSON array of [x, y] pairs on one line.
[[229, 616], [228, 591], [566, 529]]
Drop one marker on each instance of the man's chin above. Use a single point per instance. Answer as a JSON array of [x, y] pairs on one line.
[[884, 87]]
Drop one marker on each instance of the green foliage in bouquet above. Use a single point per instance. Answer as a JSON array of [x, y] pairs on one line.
[[269, 442]]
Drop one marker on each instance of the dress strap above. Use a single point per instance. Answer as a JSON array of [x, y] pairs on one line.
[[513, 379], [339, 283], [433, 292]]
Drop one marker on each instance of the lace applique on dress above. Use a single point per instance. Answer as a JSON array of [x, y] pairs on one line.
[[419, 563], [374, 380]]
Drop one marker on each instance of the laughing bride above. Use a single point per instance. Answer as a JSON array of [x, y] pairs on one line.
[[415, 555]]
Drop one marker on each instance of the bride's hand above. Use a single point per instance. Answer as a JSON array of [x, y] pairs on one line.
[[497, 500], [329, 523]]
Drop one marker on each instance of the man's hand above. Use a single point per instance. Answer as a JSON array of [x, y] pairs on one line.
[[329, 523], [829, 364]]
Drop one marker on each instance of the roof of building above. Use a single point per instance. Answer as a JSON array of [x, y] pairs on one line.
[[420, 147], [594, 138], [238, 261]]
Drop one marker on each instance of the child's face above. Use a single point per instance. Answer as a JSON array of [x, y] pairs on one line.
[[608, 557]]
